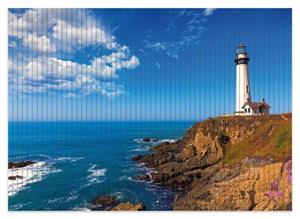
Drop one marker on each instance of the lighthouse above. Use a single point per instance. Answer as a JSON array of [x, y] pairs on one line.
[[242, 79], [244, 105]]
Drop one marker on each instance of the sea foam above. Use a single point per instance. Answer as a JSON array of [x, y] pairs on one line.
[[141, 141], [27, 175], [96, 175], [70, 159]]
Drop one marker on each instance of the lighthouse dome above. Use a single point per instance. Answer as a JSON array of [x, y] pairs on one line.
[[241, 49]]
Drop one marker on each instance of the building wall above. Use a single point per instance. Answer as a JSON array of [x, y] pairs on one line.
[[248, 111], [265, 112], [242, 86]]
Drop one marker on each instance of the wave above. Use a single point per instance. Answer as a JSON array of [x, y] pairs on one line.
[[125, 178], [70, 159], [142, 141], [97, 175], [29, 157], [20, 178], [56, 200], [152, 142], [170, 140], [118, 195], [96, 172], [141, 149], [81, 209], [44, 157]]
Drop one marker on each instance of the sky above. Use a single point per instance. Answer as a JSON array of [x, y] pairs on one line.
[[143, 64]]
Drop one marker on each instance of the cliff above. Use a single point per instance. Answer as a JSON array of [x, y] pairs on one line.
[[227, 163]]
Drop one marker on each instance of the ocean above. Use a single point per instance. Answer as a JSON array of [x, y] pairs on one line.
[[77, 161]]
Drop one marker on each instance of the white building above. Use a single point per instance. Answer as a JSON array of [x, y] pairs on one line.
[[258, 108], [244, 104]]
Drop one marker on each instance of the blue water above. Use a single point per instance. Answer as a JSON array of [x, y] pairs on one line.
[[87, 159]]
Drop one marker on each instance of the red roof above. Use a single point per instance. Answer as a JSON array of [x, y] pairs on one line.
[[257, 105]]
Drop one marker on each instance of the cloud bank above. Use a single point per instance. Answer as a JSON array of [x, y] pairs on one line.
[[43, 44]]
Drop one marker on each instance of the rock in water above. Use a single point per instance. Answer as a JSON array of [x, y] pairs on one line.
[[137, 157], [127, 206], [21, 164], [147, 139], [105, 202], [110, 203], [15, 177]]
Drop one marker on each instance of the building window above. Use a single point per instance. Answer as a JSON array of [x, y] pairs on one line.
[[245, 110], [248, 110]]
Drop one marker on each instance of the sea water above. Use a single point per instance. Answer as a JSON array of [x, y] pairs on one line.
[[77, 161]]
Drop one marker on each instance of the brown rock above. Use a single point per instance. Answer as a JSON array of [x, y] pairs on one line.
[[227, 163], [127, 206], [105, 202], [188, 152], [21, 164], [251, 190], [15, 177], [144, 177], [137, 157], [146, 139]]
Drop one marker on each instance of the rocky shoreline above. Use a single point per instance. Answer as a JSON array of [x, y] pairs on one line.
[[15, 165], [20, 164], [110, 203], [227, 163]]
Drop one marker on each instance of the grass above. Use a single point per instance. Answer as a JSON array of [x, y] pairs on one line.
[[270, 139], [283, 138]]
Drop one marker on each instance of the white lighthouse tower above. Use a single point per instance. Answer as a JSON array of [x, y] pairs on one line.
[[242, 79]]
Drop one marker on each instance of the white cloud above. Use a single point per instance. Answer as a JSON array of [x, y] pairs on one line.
[[178, 16], [50, 74], [208, 11], [12, 44], [171, 49], [132, 63], [157, 65], [157, 46], [111, 89], [101, 67], [9, 64], [85, 35], [183, 30], [39, 43], [52, 32], [31, 28], [38, 20], [69, 28]]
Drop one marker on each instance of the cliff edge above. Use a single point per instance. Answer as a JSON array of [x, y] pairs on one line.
[[227, 163]]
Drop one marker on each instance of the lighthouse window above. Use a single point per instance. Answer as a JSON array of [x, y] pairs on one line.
[[247, 88]]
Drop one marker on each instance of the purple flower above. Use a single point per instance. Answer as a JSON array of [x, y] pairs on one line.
[[290, 178], [288, 168], [280, 194], [271, 194], [274, 186]]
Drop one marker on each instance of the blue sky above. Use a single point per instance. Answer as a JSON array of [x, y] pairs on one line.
[[143, 64]]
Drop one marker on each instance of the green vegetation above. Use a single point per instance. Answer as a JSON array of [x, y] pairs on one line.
[[283, 138], [270, 139]]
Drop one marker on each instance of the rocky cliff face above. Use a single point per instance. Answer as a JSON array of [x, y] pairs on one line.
[[227, 163]]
